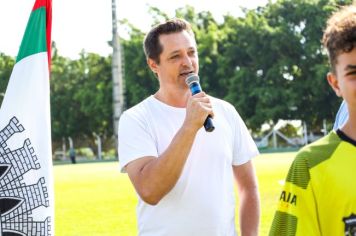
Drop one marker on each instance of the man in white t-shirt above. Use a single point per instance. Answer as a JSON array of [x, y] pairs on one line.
[[183, 174]]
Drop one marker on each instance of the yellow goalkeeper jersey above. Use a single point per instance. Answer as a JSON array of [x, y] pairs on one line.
[[319, 196]]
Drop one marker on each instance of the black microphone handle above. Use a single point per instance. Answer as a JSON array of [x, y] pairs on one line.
[[208, 124]]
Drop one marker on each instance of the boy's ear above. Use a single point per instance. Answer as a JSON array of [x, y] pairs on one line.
[[334, 83], [152, 64]]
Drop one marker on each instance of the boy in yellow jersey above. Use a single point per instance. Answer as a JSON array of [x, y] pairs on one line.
[[319, 196]]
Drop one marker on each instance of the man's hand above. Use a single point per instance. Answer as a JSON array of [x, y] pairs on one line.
[[197, 110]]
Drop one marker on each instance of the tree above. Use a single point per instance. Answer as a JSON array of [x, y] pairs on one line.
[[139, 80], [313, 99], [269, 63], [274, 63], [6, 65], [81, 97]]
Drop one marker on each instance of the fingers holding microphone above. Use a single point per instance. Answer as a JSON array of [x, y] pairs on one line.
[[193, 83], [204, 102], [198, 109]]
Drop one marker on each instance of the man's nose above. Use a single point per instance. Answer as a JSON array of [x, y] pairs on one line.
[[187, 61]]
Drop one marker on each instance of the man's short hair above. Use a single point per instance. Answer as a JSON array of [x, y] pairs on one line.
[[151, 43], [340, 33]]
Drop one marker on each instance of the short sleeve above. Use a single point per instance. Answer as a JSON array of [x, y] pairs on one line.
[[296, 213], [135, 140], [244, 147]]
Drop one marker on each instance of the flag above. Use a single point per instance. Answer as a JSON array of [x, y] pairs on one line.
[[26, 183]]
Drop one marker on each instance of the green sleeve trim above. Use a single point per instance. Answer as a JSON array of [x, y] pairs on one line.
[[283, 224], [311, 156], [299, 172], [34, 39]]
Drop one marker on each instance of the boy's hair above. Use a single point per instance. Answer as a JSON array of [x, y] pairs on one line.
[[151, 44], [340, 33]]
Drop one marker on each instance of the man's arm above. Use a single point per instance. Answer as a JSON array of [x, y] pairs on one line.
[[154, 177], [249, 207]]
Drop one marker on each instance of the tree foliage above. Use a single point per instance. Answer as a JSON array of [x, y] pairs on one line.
[[140, 82], [269, 63], [6, 65], [81, 97]]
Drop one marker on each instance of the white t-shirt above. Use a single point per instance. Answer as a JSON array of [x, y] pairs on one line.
[[202, 202]]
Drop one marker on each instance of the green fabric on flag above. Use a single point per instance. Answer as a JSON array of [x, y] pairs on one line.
[[34, 40]]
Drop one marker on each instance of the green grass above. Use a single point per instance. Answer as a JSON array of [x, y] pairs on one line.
[[271, 169], [95, 199]]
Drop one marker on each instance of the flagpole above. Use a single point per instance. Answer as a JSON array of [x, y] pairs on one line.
[[117, 75]]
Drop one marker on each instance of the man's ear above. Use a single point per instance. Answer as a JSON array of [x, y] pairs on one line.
[[153, 65], [334, 83]]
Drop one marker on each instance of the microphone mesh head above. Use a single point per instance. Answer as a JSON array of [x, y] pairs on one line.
[[191, 79]]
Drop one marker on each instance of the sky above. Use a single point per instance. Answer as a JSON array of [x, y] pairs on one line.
[[86, 24]]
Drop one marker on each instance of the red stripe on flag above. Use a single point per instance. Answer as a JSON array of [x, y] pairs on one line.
[[48, 5], [40, 3]]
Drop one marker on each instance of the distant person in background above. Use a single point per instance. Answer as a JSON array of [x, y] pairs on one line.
[[319, 196], [341, 116], [72, 155]]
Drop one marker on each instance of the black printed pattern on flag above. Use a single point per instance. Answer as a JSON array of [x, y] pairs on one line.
[[18, 200]]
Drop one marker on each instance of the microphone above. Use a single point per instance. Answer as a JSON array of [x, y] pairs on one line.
[[193, 83]]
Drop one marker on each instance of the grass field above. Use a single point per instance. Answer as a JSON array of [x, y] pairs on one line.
[[96, 199]]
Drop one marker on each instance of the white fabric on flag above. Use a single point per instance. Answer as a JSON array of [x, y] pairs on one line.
[[26, 183]]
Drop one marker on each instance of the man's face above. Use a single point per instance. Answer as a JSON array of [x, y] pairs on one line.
[[344, 82], [178, 58]]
